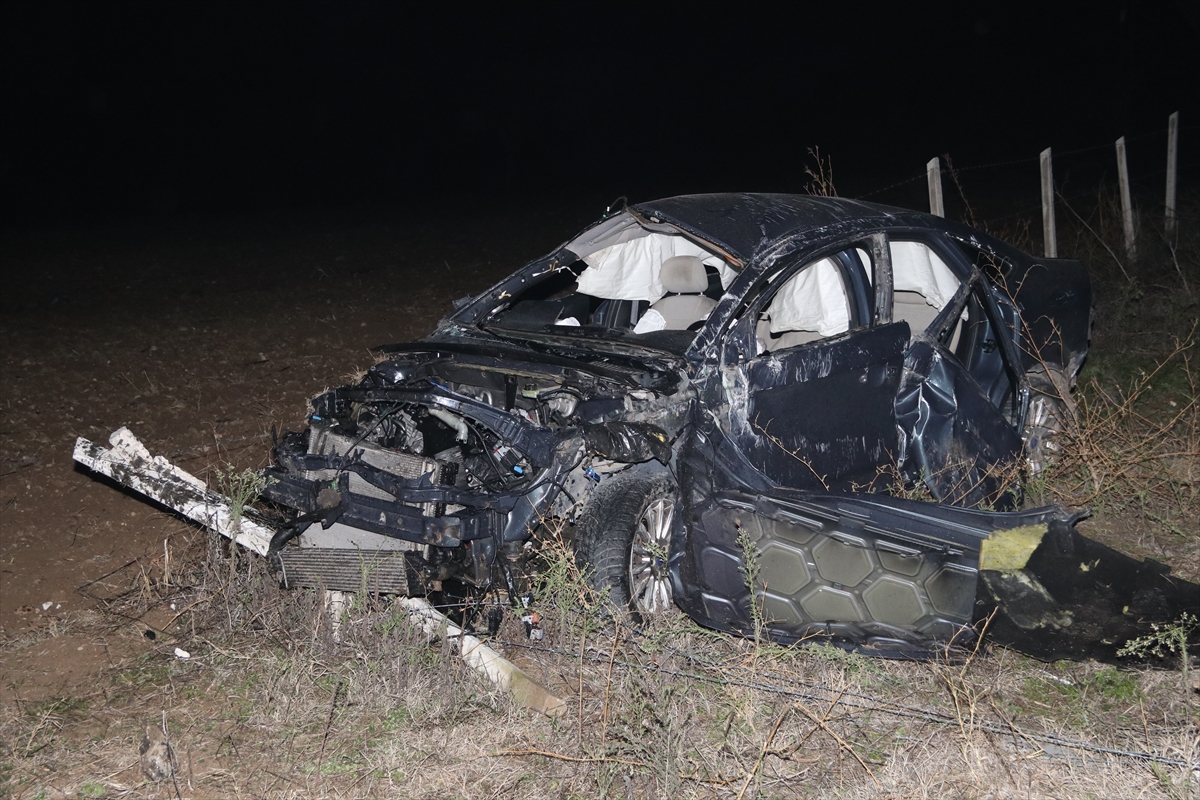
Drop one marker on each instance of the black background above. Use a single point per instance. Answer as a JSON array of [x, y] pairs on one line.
[[121, 110]]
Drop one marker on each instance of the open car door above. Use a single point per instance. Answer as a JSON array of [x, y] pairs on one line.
[[962, 402], [782, 537], [810, 379]]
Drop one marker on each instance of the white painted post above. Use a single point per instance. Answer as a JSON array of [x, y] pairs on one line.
[[337, 604], [1172, 170], [933, 171], [1126, 201], [1049, 231]]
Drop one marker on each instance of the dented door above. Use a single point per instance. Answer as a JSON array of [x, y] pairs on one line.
[[812, 378], [961, 403], [957, 443], [822, 414]]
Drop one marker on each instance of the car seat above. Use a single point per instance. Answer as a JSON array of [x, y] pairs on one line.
[[685, 281]]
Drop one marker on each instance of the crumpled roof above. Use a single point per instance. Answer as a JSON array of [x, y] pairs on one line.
[[744, 223]]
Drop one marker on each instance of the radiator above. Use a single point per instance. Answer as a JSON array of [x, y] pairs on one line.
[[345, 570], [323, 442]]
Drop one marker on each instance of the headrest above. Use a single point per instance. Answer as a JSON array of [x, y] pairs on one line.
[[683, 275]]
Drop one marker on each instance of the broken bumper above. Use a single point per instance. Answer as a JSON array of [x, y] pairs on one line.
[[319, 500]]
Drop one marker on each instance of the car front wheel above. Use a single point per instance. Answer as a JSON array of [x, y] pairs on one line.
[[625, 539]]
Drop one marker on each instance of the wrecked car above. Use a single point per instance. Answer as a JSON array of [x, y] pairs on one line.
[[724, 400]]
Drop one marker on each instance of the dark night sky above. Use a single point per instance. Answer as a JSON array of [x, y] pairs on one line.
[[113, 109]]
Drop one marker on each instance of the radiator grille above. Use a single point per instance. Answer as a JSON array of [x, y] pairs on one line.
[[342, 570]]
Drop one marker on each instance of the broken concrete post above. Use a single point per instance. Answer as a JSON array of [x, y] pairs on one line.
[[336, 606], [508, 676], [130, 464]]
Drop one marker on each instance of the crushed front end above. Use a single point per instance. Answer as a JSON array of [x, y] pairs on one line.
[[438, 467]]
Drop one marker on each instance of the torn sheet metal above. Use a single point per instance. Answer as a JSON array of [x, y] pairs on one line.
[[955, 441], [130, 464], [901, 579]]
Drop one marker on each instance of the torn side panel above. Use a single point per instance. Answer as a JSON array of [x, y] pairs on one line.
[[1076, 598], [880, 575], [824, 577], [904, 579]]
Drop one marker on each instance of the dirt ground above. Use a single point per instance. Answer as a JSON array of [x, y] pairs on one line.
[[198, 335]]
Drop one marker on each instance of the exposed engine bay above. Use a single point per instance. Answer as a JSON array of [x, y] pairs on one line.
[[452, 475]]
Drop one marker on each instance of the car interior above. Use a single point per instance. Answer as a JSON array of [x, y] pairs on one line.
[[642, 284], [650, 281]]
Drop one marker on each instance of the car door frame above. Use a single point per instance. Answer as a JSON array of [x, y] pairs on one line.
[[964, 464], [840, 551], [836, 369]]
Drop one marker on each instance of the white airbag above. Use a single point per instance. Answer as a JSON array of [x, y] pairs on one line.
[[916, 268], [812, 300], [651, 321], [630, 270]]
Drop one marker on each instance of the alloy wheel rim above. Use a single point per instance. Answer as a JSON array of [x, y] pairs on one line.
[[650, 586], [1041, 431]]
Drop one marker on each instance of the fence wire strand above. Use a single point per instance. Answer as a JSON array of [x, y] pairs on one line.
[[865, 702], [1141, 179]]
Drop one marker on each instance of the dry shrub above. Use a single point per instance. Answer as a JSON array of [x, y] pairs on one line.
[[270, 705], [1131, 445], [1132, 451]]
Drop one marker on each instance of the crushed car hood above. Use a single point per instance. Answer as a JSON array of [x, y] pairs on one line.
[[583, 362]]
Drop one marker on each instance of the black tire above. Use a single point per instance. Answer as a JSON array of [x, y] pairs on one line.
[[1051, 414], [623, 541]]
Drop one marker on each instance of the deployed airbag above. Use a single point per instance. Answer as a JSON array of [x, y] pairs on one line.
[[916, 268], [631, 270], [813, 300]]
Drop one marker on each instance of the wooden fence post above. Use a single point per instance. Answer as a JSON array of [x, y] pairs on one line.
[[1126, 201], [1172, 170], [1049, 231], [933, 171]]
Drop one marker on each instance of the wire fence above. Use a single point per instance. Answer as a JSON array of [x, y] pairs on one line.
[[724, 673], [1012, 186]]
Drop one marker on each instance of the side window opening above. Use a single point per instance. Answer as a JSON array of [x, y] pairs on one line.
[[823, 299], [922, 285], [547, 301]]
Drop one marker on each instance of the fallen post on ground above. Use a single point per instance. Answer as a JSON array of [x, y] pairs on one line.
[[130, 464], [508, 676]]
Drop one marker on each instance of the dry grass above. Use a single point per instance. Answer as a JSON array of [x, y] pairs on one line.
[[1132, 454], [268, 705], [1128, 443]]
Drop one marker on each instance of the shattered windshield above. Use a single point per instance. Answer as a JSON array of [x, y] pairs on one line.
[[627, 279]]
